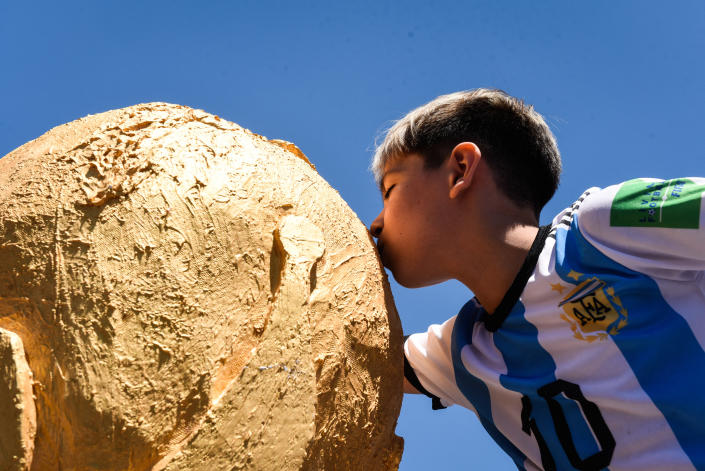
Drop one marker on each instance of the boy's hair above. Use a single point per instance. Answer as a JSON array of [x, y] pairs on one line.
[[515, 141]]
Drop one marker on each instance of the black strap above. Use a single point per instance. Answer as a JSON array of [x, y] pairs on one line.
[[411, 377], [494, 321]]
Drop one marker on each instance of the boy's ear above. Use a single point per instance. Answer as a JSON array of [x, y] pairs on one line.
[[463, 162]]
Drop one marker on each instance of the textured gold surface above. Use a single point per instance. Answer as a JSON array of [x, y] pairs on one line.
[[19, 422], [190, 295]]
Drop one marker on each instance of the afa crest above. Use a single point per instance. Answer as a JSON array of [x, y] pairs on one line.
[[593, 310]]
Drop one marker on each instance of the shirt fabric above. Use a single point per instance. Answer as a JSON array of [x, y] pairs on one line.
[[595, 358]]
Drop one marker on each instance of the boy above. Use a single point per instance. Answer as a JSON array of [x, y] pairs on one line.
[[583, 348]]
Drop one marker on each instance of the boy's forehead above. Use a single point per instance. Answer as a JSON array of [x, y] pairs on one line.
[[399, 164], [392, 168]]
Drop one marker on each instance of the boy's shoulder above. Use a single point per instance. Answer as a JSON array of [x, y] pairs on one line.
[[644, 223], [645, 203]]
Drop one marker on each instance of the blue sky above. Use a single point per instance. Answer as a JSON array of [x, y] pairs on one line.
[[620, 83]]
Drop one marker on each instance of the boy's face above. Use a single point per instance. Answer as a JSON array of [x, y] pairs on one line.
[[411, 226]]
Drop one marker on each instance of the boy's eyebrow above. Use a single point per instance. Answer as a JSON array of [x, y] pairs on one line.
[[395, 169]]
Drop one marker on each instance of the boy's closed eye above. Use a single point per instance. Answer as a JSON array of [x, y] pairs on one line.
[[389, 190]]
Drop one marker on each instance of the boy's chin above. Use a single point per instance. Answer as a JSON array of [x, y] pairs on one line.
[[408, 281]]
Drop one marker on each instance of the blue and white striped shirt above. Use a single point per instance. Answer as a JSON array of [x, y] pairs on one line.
[[599, 361]]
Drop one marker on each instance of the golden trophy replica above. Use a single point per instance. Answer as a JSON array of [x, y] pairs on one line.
[[178, 293]]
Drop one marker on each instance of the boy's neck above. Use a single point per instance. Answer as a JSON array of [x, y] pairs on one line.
[[495, 239], [493, 269]]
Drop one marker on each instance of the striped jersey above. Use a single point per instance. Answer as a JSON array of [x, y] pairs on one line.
[[595, 357]]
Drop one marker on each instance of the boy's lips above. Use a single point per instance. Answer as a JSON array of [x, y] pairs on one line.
[[380, 250]]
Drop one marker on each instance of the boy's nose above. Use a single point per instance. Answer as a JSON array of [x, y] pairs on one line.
[[377, 225]]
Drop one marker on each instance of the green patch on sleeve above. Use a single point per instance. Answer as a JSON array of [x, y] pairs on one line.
[[672, 203]]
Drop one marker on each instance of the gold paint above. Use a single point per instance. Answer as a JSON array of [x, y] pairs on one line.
[[19, 421], [190, 295]]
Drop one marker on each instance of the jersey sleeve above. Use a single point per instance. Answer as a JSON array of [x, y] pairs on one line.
[[656, 227], [429, 364]]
